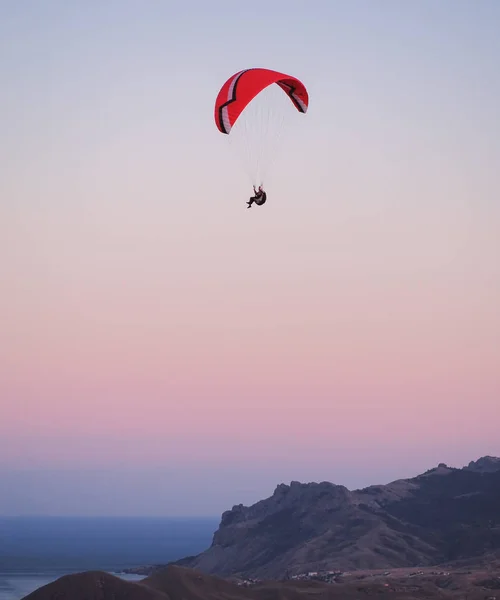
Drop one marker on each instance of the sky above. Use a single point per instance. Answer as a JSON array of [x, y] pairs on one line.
[[166, 351]]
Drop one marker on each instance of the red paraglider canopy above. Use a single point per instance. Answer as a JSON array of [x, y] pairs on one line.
[[242, 87]]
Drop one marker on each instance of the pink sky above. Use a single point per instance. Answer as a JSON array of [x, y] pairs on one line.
[[348, 329]]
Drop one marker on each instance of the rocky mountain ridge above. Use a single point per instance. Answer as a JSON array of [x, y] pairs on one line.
[[443, 515]]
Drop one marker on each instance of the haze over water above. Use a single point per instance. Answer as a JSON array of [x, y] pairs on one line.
[[38, 550], [164, 350]]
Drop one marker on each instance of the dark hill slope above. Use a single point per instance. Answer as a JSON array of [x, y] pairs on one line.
[[177, 583], [94, 585]]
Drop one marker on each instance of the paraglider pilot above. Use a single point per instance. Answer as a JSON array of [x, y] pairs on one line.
[[259, 197]]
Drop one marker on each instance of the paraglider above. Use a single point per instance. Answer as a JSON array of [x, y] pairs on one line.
[[259, 197], [246, 113]]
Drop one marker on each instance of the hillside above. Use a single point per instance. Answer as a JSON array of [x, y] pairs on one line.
[[94, 585], [441, 516], [177, 583]]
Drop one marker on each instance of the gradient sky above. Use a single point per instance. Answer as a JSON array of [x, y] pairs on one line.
[[164, 350]]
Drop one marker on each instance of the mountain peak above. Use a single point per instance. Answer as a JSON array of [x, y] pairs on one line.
[[485, 464]]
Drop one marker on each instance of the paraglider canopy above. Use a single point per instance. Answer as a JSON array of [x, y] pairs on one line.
[[242, 87], [252, 113]]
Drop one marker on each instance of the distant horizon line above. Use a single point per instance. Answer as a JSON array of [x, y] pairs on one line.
[[80, 516]]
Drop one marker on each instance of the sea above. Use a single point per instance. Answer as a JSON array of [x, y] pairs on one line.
[[35, 551]]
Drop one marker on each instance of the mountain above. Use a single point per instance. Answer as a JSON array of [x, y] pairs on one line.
[[177, 583], [441, 516]]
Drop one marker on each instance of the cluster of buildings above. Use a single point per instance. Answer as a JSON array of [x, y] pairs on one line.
[[247, 582], [334, 576], [325, 576]]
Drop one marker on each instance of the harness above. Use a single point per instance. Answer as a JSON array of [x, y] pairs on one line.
[[260, 198]]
